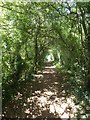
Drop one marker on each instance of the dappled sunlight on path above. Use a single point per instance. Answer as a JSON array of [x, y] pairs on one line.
[[44, 96]]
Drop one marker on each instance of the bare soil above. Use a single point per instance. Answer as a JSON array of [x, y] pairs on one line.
[[48, 95]]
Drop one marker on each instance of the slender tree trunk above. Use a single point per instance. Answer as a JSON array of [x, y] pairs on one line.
[[87, 43], [36, 51]]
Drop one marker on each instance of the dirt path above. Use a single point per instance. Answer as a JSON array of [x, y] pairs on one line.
[[44, 96]]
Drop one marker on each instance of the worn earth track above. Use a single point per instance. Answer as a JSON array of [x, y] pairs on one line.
[[45, 96]]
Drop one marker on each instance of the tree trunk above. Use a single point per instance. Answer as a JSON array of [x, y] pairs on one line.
[[87, 44]]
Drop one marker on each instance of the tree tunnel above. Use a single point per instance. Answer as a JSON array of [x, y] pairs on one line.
[[34, 33]]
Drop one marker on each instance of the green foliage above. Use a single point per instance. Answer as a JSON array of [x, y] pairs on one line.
[[30, 30]]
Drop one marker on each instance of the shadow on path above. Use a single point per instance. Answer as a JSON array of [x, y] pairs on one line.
[[47, 95]]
